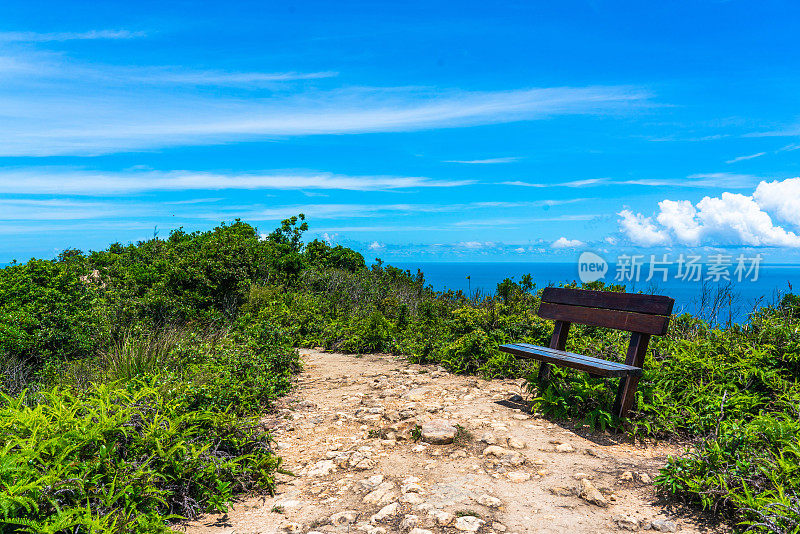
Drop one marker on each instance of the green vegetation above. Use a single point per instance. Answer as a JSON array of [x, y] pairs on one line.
[[132, 376]]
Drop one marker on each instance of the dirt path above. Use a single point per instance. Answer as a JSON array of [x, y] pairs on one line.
[[347, 433]]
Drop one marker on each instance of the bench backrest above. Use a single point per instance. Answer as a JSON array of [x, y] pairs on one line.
[[632, 312]]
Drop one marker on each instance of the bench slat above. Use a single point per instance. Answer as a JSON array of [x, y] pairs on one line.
[[569, 359], [630, 302], [618, 320]]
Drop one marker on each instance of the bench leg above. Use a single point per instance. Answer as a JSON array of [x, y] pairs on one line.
[[626, 396], [544, 373]]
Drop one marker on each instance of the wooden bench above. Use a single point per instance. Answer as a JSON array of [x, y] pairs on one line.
[[642, 315]]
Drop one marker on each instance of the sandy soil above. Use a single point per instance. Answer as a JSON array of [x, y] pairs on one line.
[[347, 433]]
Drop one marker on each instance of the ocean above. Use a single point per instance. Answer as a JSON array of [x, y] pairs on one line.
[[744, 296]]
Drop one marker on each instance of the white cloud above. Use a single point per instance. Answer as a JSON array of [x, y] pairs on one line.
[[106, 109], [729, 219], [782, 198], [573, 183], [66, 181], [520, 250], [375, 246], [744, 158], [680, 218], [489, 161], [563, 242], [34, 37], [640, 229]]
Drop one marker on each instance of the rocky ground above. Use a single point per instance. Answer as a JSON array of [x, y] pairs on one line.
[[379, 446]]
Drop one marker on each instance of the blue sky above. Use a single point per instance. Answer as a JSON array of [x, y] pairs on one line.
[[508, 131]]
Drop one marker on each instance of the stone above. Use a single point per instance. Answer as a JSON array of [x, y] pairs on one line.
[[411, 498], [518, 476], [372, 482], [411, 487], [419, 448], [346, 517], [322, 468], [589, 493], [495, 450], [420, 531], [644, 478], [520, 417], [438, 432], [469, 523], [390, 510], [562, 491], [626, 522], [291, 526], [416, 394], [383, 493], [580, 476], [409, 522], [627, 476], [365, 464], [499, 527], [565, 447], [490, 501], [443, 518], [514, 443], [488, 438], [663, 525]]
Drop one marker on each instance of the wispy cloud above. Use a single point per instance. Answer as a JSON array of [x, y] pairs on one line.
[[744, 158], [65, 181], [516, 222], [342, 211], [572, 183], [107, 109], [490, 161], [34, 37]]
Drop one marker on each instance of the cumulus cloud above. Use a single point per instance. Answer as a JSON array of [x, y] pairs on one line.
[[375, 246], [781, 198], [563, 242], [729, 219], [640, 229]]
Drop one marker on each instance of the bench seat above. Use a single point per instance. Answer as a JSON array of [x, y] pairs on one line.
[[595, 366]]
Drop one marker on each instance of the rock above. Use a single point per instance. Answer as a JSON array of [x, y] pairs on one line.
[[488, 500], [469, 523], [390, 510], [565, 447], [518, 476], [626, 522], [409, 522], [488, 438], [291, 526], [365, 464], [416, 394], [443, 518], [495, 450], [420, 531], [499, 527], [520, 417], [514, 443], [411, 487], [562, 491], [346, 517], [663, 525], [419, 448], [627, 476], [460, 453], [411, 498], [645, 478], [579, 476], [322, 468], [372, 482], [589, 493], [384, 493], [438, 432]]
